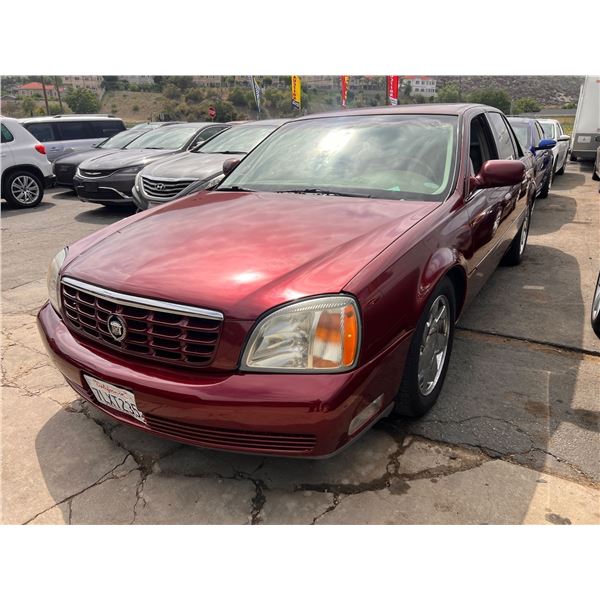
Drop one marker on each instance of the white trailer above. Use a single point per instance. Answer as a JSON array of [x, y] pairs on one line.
[[586, 131]]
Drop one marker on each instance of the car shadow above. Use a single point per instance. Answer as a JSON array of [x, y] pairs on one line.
[[9, 211], [104, 214]]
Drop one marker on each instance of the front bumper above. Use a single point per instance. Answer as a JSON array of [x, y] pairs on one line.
[[305, 415], [114, 189]]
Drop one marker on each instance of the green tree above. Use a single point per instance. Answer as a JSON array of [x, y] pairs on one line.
[[407, 89], [171, 91], [28, 105], [448, 93], [54, 108], [237, 97], [183, 82], [81, 100], [526, 105], [195, 95], [492, 97]]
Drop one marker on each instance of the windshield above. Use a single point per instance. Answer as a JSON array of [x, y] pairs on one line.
[[522, 132], [164, 138], [384, 156], [121, 139], [237, 140], [548, 130]]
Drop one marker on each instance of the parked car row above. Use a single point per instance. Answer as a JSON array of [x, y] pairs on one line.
[[312, 292]]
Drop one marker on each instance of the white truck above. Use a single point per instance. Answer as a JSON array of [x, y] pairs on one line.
[[585, 140]]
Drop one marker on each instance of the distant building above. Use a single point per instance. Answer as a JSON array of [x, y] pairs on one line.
[[207, 80], [138, 79], [89, 82], [35, 87], [421, 84]]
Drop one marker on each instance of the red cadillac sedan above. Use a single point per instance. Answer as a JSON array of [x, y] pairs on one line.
[[312, 293]]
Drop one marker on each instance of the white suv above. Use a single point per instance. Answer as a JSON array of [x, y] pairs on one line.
[[26, 170]]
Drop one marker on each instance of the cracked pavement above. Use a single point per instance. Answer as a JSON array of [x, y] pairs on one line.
[[514, 438]]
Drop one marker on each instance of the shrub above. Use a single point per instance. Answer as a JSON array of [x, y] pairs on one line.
[[135, 108], [81, 100], [172, 92]]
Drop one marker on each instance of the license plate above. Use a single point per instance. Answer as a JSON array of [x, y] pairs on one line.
[[584, 139], [90, 187], [115, 397]]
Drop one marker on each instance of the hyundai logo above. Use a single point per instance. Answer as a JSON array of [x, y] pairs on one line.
[[160, 186], [117, 328]]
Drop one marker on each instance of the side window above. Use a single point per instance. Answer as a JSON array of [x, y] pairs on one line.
[[481, 148], [103, 129], [504, 143], [7, 136], [74, 130], [208, 133], [515, 143], [43, 132], [537, 135]]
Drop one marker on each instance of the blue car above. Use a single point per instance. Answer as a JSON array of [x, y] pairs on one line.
[[530, 134]]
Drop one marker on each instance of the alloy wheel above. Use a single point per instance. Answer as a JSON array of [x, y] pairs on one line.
[[25, 189], [434, 345], [524, 233]]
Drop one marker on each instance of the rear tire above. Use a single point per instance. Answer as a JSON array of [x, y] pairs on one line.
[[514, 254], [572, 157], [421, 385], [547, 184], [561, 171], [23, 189]]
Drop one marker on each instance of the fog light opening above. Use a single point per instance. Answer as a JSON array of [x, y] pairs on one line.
[[365, 415]]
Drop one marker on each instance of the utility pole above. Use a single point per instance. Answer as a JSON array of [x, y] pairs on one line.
[[56, 83], [45, 95]]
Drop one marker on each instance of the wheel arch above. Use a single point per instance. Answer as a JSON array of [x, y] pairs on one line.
[[445, 262], [16, 168]]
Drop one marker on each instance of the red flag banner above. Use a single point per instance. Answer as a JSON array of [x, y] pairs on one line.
[[345, 80], [392, 89]]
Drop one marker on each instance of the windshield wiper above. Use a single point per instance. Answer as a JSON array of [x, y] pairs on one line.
[[235, 188], [322, 192]]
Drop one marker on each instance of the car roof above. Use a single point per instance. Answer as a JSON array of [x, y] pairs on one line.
[[526, 120], [50, 119], [264, 122], [403, 109]]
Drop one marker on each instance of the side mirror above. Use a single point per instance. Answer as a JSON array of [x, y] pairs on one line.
[[564, 138], [498, 173], [546, 144], [229, 165]]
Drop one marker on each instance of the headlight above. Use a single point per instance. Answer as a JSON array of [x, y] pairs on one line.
[[53, 278], [316, 335], [131, 170], [211, 183]]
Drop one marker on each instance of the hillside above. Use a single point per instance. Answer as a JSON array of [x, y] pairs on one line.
[[549, 91], [122, 104]]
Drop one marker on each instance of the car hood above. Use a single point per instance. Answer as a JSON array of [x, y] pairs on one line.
[[189, 165], [74, 158], [128, 158], [243, 253]]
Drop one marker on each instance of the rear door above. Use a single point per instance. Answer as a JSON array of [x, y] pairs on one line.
[[47, 134], [76, 135], [544, 158]]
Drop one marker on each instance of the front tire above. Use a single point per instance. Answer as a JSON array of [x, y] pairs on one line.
[[23, 189], [429, 354], [561, 171]]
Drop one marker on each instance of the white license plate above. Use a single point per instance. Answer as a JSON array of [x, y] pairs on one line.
[[115, 397], [584, 139]]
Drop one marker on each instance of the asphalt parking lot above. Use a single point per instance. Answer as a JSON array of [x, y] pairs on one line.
[[514, 438]]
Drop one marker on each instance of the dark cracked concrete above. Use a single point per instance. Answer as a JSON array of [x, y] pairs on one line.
[[514, 437]]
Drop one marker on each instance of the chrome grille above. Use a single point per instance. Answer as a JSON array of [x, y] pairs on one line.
[[163, 189], [151, 331], [93, 174]]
